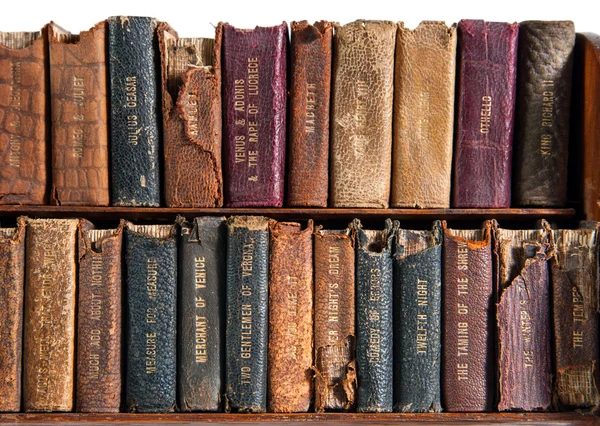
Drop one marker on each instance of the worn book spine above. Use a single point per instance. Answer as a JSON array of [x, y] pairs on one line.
[[191, 107], [485, 111], [79, 117], [374, 328], [254, 114], [24, 133], [335, 335], [310, 87], [468, 372], [417, 320], [49, 330], [546, 52], [361, 114], [291, 291], [134, 111], [99, 320], [201, 274], [247, 314], [423, 115], [151, 282], [12, 283]]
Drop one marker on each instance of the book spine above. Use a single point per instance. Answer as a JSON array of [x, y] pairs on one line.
[[310, 89], [201, 257], [151, 282], [134, 114], [417, 320], [49, 331], [254, 106], [78, 94], [487, 57], [99, 320], [543, 108]]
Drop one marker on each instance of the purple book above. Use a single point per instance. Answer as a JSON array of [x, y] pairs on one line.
[[254, 115]]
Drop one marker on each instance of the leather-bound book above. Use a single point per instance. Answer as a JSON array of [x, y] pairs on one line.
[[12, 283], [191, 108], [374, 328], [247, 314], [134, 111], [201, 274], [79, 113], [49, 330], [24, 133], [417, 320], [361, 114], [485, 111], [291, 291], [151, 283], [468, 362], [254, 115], [310, 87], [335, 335], [546, 52], [99, 320], [423, 115]]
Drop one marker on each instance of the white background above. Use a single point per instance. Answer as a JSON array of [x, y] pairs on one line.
[[196, 18]]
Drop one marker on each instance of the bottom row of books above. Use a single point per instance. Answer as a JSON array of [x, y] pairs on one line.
[[248, 314]]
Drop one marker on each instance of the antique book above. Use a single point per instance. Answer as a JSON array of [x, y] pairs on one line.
[[99, 320], [374, 328], [201, 274], [468, 376], [49, 329], [335, 335], [12, 283], [151, 283], [24, 149], [247, 297], [134, 111], [310, 87], [361, 114], [523, 319], [254, 115], [191, 107], [423, 115], [485, 110], [546, 52], [79, 117], [291, 291], [417, 320]]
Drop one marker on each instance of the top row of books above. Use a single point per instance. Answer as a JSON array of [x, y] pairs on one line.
[[367, 114]]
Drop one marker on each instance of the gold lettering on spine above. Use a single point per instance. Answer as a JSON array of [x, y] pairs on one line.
[[422, 317], [374, 343], [462, 308], [547, 117], [485, 118], [131, 103], [246, 312], [311, 106], [193, 114], [151, 353], [95, 315], [45, 346], [333, 295], [15, 140], [152, 278], [78, 98], [579, 317]]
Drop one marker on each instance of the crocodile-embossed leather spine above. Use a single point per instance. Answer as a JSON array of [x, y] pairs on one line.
[[361, 114], [151, 282], [247, 314], [546, 52], [417, 320], [78, 95], [49, 330], [201, 273], [254, 115], [135, 120], [485, 111], [310, 87]]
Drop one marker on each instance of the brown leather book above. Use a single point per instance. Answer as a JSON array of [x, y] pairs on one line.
[[23, 129], [191, 104], [423, 115], [335, 335], [290, 356], [78, 97], [12, 270], [49, 336], [99, 320]]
